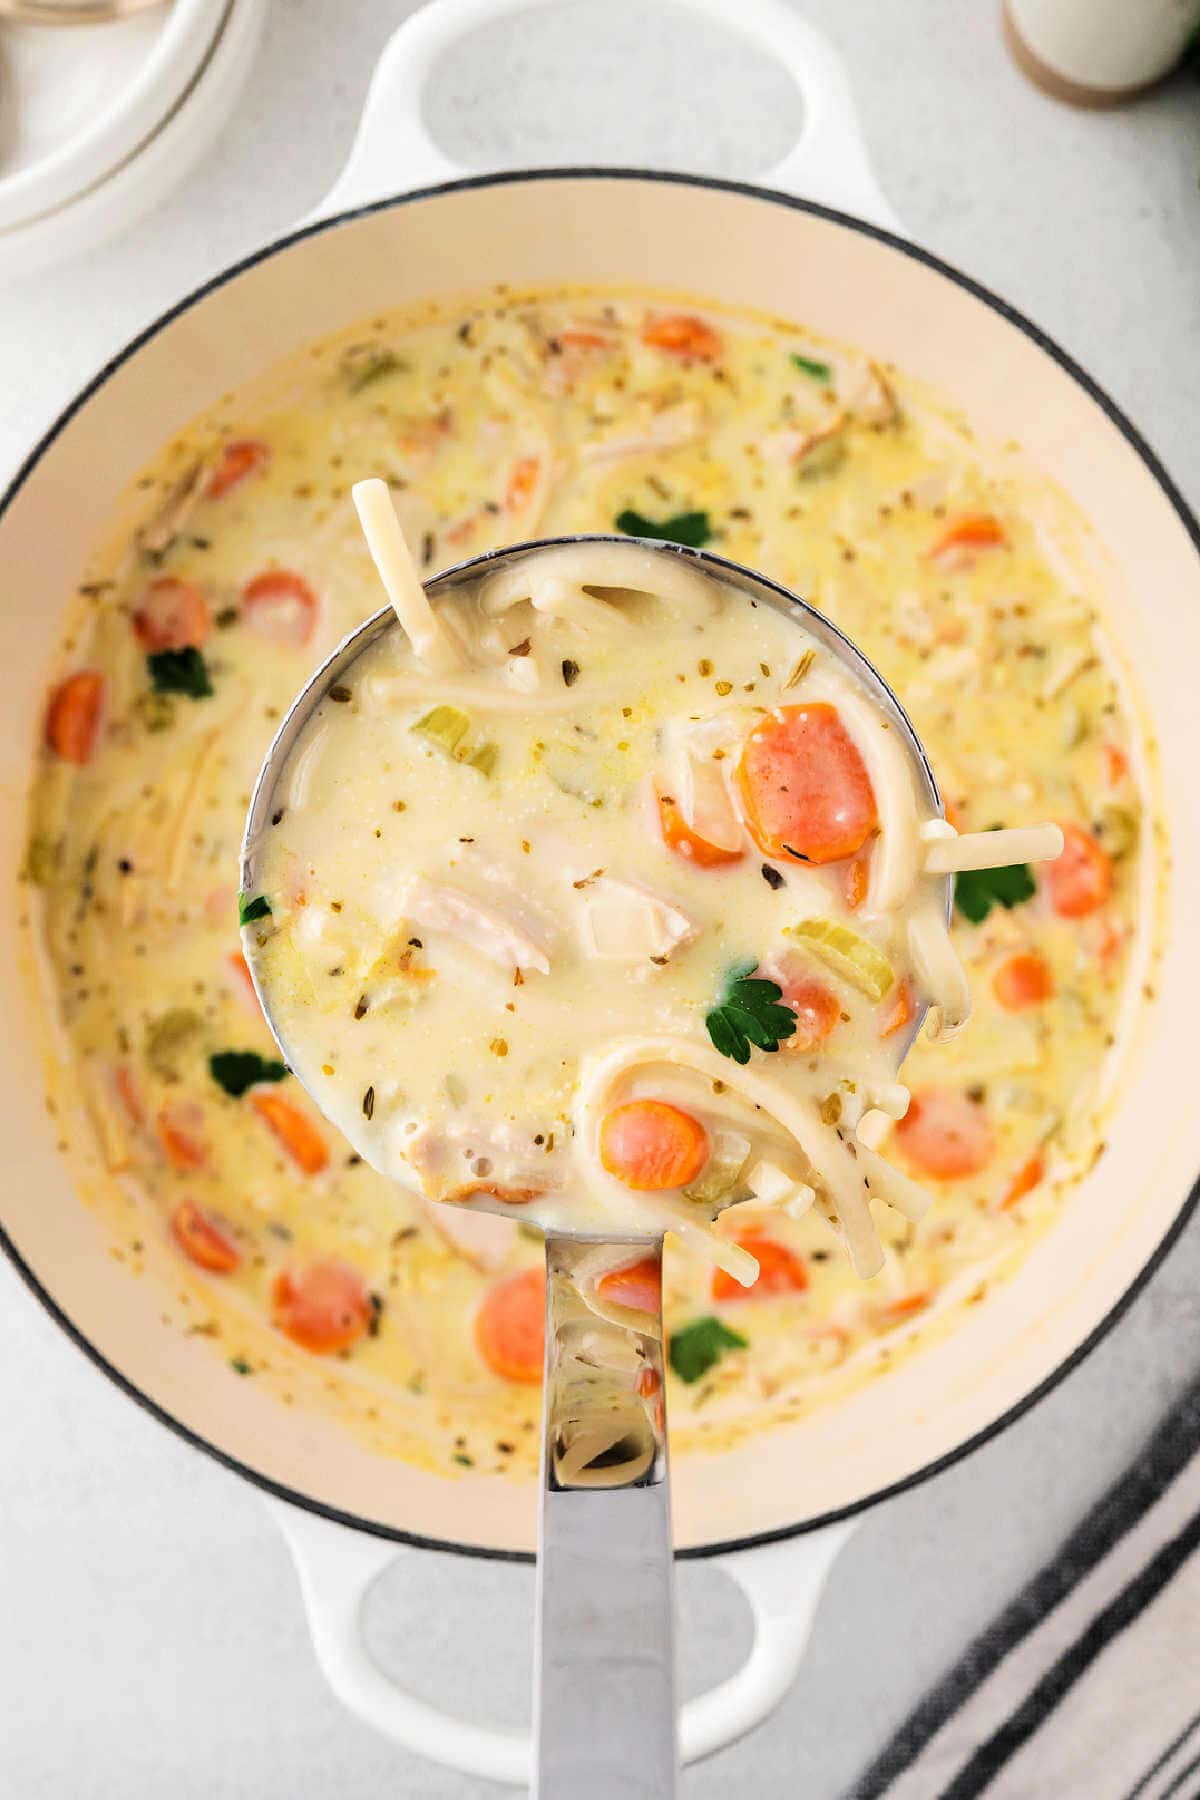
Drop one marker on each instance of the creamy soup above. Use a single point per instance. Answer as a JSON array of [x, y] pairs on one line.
[[655, 835], [237, 564]]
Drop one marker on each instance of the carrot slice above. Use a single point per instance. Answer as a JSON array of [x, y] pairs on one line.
[[1023, 981], [1082, 878], [73, 716], [683, 334], [1116, 764], [900, 1009], [172, 615], [945, 1133], [638, 1285], [295, 1131], [817, 1009], [780, 1270], [891, 1312], [202, 1240], [510, 1326], [806, 790], [651, 1145], [856, 877], [243, 979], [322, 1307], [128, 1094], [582, 337], [1025, 1180], [522, 483], [181, 1133], [281, 607], [679, 837], [238, 460], [965, 537]]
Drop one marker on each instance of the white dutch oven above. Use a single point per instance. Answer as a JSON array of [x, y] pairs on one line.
[[400, 225]]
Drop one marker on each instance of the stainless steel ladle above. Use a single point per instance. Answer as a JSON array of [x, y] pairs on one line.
[[605, 1702]]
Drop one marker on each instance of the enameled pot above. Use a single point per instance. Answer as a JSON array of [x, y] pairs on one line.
[[402, 225]]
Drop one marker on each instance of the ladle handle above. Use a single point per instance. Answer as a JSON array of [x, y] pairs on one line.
[[605, 1695]]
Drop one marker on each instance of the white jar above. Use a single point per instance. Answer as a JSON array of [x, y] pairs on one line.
[[1097, 52]]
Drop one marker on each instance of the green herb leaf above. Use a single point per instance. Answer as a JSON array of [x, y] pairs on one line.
[[180, 672], [976, 891], [237, 1070], [249, 910], [749, 1012], [168, 1038], [366, 364], [240, 1366], [699, 1345], [808, 365], [689, 528]]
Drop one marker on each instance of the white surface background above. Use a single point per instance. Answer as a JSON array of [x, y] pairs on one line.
[[153, 1643]]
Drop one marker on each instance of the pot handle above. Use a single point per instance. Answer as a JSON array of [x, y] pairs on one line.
[[336, 1567], [394, 153]]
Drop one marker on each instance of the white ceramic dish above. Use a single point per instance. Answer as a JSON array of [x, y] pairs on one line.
[[846, 274], [104, 178]]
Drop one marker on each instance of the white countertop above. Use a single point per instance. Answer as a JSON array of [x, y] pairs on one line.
[[153, 1639]]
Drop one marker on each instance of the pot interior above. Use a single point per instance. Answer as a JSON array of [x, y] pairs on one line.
[[853, 285]]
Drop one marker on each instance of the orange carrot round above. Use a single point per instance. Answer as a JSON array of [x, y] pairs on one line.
[[651, 1145], [294, 1129], [323, 1306], [945, 1133], [780, 1270], [900, 1009], [238, 460], [638, 1285], [1023, 981], [280, 606], [172, 614], [1025, 1180], [806, 790], [522, 482], [243, 980], [181, 1133], [1082, 878], [127, 1092], [856, 877], [965, 537], [73, 716], [679, 837], [892, 1312], [510, 1326], [817, 1009], [203, 1241], [683, 334]]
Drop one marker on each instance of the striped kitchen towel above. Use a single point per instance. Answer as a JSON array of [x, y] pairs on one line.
[[1087, 1687]]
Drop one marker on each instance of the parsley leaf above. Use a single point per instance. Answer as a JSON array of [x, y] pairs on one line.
[[689, 528], [249, 910], [749, 1013], [808, 365], [699, 1345], [976, 891], [237, 1070], [180, 672]]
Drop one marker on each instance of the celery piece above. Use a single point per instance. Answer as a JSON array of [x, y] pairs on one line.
[[445, 726], [854, 958]]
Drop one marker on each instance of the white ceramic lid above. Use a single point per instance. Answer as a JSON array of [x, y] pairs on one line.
[[77, 101], [178, 92]]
